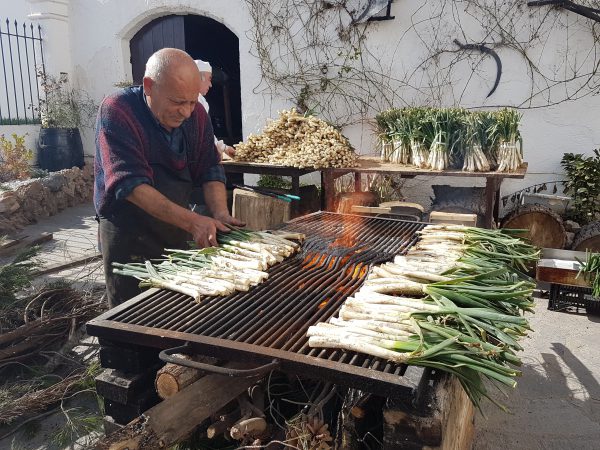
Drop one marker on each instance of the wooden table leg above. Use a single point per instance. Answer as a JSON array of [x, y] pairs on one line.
[[357, 182], [327, 191], [295, 191], [492, 187]]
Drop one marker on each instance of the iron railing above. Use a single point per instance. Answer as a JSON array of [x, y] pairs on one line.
[[22, 66]]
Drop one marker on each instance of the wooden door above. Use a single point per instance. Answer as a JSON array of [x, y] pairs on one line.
[[163, 32]]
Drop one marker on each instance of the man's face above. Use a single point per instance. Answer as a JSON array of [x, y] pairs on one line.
[[205, 82], [173, 98]]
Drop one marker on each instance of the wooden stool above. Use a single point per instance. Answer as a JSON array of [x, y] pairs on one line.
[[469, 220]]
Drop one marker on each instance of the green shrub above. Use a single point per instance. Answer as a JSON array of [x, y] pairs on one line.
[[14, 158], [583, 184]]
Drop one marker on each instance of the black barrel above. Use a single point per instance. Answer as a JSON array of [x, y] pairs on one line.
[[59, 148]]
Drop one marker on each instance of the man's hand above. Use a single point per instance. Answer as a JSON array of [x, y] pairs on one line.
[[204, 230], [229, 151], [227, 218]]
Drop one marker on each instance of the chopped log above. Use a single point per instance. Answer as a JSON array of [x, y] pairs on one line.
[[587, 238], [224, 423], [545, 227], [172, 378], [349, 199], [258, 211], [252, 427], [175, 418]]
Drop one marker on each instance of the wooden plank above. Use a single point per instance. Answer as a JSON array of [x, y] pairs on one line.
[[12, 246], [69, 264], [176, 418], [453, 218], [174, 421], [371, 209], [8, 243], [373, 164], [123, 387], [232, 166]]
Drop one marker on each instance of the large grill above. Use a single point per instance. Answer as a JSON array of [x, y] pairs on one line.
[[270, 321]]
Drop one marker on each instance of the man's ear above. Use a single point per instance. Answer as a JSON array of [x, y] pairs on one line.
[[148, 84]]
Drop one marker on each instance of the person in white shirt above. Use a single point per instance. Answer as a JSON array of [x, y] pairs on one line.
[[205, 84]]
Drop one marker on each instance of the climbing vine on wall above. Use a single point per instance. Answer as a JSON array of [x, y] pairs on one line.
[[311, 53]]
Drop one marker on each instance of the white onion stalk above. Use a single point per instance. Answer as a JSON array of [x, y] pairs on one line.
[[391, 272], [438, 155], [288, 237], [389, 328], [442, 235], [475, 160], [232, 249], [348, 341], [230, 263], [425, 266], [351, 327], [400, 306], [257, 247], [510, 157], [419, 153], [282, 238]]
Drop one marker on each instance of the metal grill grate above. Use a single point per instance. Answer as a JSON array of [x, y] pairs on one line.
[[270, 321]]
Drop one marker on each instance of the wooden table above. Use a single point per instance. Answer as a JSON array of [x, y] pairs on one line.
[[231, 166], [373, 164]]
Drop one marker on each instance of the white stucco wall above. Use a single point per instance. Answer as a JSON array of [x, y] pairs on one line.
[[99, 32], [31, 133]]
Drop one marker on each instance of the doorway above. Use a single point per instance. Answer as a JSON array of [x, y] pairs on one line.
[[203, 38]]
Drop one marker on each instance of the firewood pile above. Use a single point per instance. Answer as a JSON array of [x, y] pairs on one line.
[[47, 319]]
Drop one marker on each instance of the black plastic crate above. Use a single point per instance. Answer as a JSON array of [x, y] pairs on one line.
[[562, 297]]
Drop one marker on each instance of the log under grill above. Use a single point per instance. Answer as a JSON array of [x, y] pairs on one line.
[[270, 321]]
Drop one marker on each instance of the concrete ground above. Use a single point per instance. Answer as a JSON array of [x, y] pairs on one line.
[[555, 406]]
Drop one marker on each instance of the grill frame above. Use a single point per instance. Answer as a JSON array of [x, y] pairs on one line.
[[344, 368]]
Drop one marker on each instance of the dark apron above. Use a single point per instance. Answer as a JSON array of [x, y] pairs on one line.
[[132, 235]]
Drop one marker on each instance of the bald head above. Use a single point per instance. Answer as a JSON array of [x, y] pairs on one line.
[[168, 61], [171, 85]]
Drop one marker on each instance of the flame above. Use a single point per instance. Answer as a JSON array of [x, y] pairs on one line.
[[348, 236]]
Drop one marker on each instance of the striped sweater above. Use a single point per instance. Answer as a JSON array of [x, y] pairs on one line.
[[129, 141]]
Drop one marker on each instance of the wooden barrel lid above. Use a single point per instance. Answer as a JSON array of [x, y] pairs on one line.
[[545, 227], [588, 238]]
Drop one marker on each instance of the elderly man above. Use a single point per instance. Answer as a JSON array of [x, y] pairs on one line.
[[205, 84], [153, 146]]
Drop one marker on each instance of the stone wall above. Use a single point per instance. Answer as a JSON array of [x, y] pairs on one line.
[[24, 202]]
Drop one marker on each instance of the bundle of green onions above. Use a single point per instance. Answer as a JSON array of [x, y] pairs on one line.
[[384, 122], [236, 265], [399, 134], [590, 269], [478, 139], [446, 126], [510, 155], [453, 303]]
